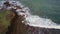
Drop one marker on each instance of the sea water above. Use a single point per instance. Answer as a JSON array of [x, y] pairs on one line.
[[44, 8], [46, 13]]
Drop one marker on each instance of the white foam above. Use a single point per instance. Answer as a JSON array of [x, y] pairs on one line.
[[40, 21], [36, 21], [18, 10]]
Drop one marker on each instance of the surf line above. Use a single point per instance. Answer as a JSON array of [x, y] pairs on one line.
[[31, 20]]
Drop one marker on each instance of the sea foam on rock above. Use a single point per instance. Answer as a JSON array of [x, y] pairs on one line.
[[32, 20]]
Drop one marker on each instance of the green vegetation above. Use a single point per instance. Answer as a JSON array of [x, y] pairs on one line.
[[4, 21]]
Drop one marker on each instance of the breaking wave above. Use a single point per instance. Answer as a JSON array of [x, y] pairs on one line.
[[36, 21]]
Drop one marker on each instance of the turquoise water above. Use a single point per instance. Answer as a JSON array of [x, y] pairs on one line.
[[44, 8]]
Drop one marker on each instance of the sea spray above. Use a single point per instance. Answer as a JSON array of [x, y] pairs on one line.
[[33, 20]]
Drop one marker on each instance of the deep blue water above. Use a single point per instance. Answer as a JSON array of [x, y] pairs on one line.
[[44, 8]]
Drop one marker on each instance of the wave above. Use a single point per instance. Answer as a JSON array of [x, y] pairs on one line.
[[34, 20], [37, 21]]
